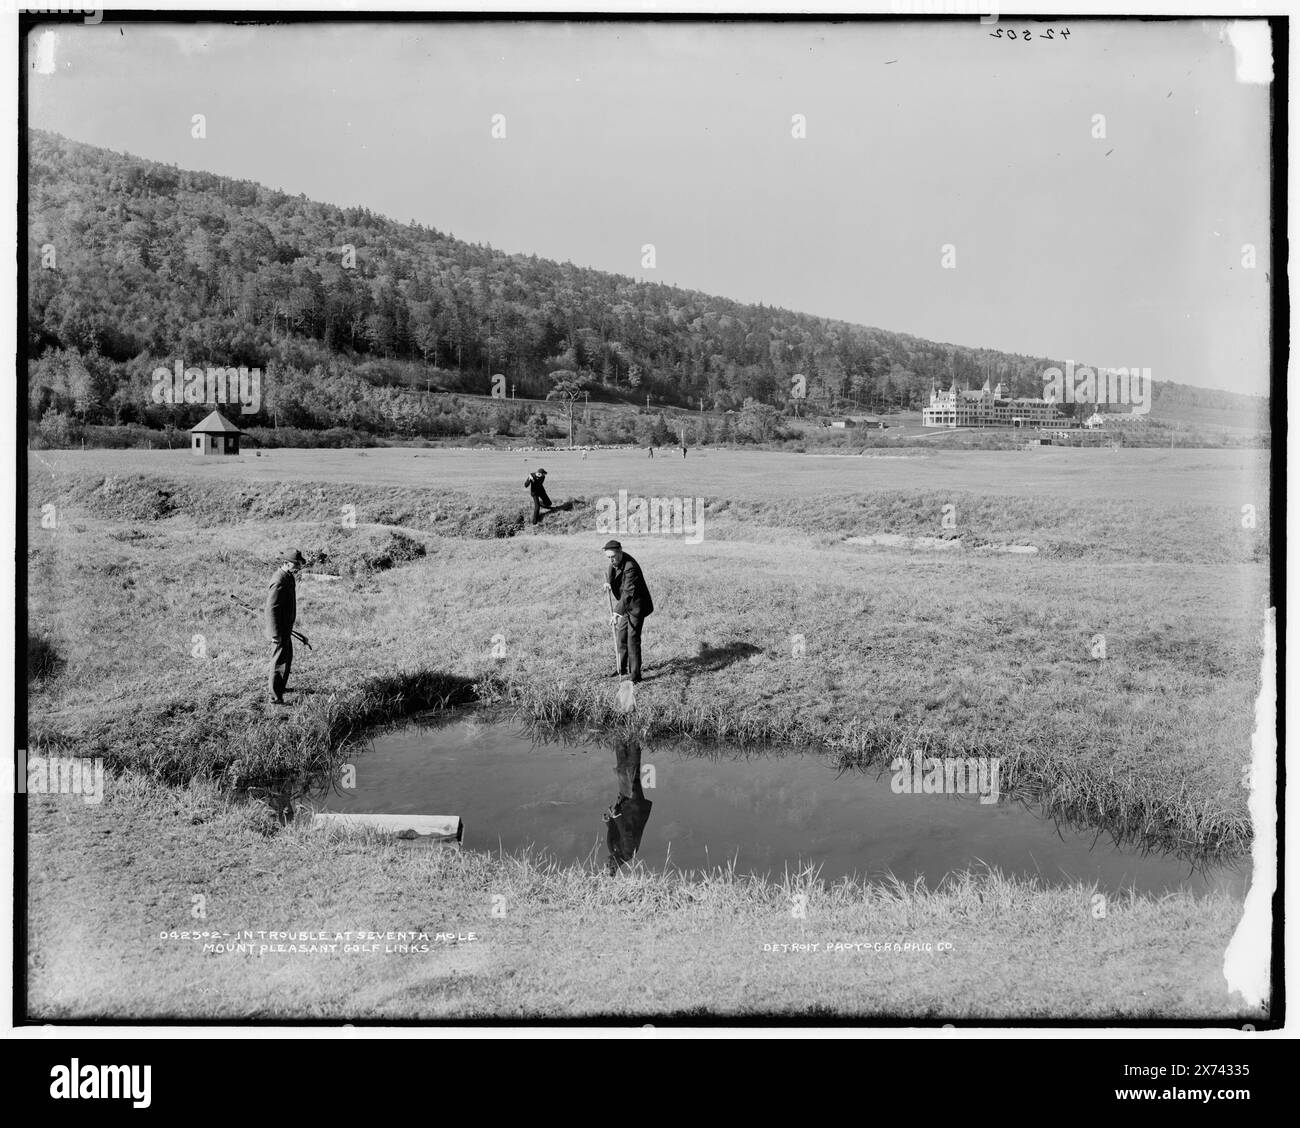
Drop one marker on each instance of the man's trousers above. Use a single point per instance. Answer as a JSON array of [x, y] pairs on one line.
[[281, 663], [629, 646]]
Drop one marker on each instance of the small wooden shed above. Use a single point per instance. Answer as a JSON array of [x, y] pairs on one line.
[[215, 435]]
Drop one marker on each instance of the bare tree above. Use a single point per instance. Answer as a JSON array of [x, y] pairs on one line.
[[568, 387]]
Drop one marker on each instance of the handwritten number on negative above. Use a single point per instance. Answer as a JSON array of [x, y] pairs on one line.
[[1027, 34]]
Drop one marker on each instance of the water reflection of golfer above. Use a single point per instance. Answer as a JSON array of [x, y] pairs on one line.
[[626, 818]]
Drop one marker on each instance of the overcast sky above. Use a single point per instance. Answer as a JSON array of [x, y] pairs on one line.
[[1117, 250]]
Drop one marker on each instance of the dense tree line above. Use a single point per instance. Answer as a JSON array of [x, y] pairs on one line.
[[354, 319]]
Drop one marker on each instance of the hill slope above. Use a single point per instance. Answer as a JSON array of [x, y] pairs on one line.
[[133, 264]]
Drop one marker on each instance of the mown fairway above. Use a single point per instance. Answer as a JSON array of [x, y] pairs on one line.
[[901, 648], [1156, 477]]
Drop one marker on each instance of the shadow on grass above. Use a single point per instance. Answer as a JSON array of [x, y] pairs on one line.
[[43, 659], [709, 659]]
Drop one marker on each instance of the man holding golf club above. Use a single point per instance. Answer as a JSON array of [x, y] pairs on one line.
[[281, 611], [628, 614]]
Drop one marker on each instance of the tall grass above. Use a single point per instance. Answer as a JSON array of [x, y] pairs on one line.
[[1169, 812], [248, 747]]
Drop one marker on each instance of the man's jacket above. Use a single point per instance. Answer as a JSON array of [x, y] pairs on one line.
[[281, 606], [631, 595]]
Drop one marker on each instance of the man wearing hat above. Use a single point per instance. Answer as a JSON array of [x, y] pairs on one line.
[[281, 612], [536, 483], [633, 605]]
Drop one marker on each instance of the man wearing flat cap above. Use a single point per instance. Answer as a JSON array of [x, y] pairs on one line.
[[281, 612], [632, 604]]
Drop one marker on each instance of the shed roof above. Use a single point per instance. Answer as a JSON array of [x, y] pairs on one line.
[[216, 423]]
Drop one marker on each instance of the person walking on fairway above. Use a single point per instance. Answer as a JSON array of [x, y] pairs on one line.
[[536, 484], [281, 612], [631, 606]]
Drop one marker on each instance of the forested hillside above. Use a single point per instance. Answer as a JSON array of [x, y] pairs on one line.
[[354, 318]]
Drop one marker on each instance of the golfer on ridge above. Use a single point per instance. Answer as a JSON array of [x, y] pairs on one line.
[[536, 485], [632, 604]]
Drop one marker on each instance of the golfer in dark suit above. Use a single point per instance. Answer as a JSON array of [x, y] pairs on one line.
[[281, 613], [632, 604], [536, 484], [626, 818]]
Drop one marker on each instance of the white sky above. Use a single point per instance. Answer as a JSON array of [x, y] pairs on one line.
[[1125, 250]]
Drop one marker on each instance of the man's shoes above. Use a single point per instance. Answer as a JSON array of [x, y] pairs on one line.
[[275, 701]]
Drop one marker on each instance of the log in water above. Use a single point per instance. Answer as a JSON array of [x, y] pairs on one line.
[[442, 828]]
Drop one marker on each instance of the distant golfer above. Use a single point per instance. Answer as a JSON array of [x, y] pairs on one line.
[[627, 815], [281, 612], [632, 604], [536, 484]]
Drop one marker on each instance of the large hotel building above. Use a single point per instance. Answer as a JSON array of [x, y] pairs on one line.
[[989, 407]]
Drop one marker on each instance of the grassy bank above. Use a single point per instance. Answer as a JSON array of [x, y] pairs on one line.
[[1097, 524], [764, 632], [561, 942]]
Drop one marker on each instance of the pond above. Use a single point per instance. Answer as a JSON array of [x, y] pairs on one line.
[[697, 807]]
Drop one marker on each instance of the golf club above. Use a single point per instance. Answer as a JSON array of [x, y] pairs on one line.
[[614, 631], [296, 634]]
